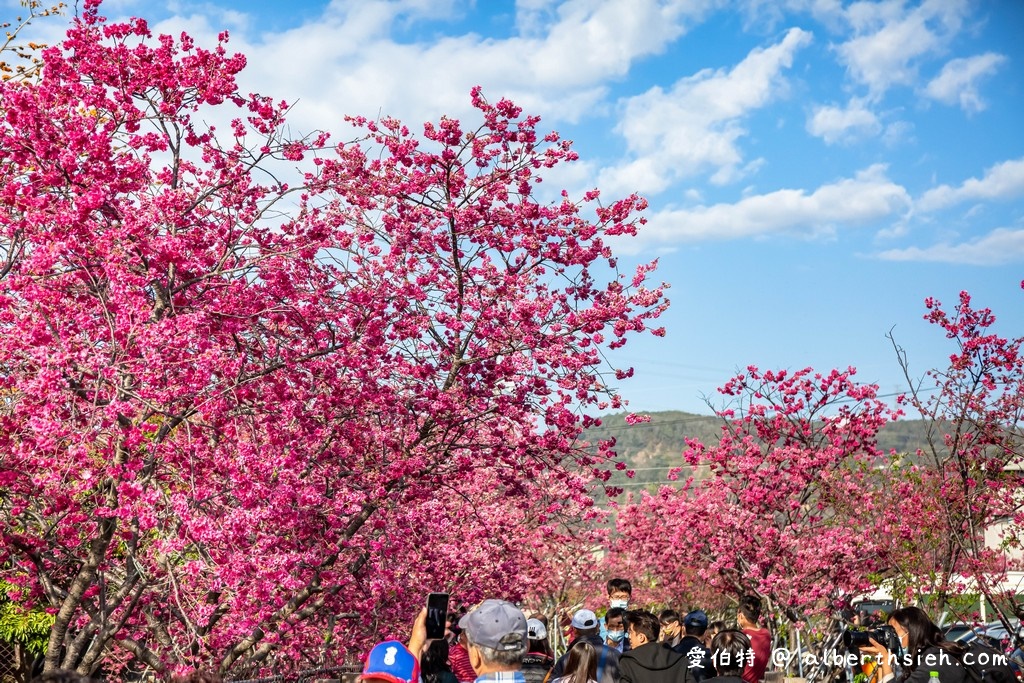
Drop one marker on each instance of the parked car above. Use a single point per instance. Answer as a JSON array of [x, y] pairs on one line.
[[956, 629], [993, 633]]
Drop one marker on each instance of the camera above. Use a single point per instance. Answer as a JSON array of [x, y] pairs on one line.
[[883, 635]]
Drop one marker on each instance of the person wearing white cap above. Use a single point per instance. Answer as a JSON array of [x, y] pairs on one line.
[[496, 637], [538, 659], [586, 626]]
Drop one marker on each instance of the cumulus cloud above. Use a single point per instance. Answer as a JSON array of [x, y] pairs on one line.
[[593, 41], [557, 62], [890, 40], [999, 247], [958, 80], [867, 198], [897, 133], [532, 16], [837, 124], [695, 126], [1002, 181]]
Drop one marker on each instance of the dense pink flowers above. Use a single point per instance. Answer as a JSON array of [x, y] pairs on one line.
[[795, 502], [759, 512], [235, 413]]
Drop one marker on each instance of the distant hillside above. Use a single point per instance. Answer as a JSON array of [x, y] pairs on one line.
[[652, 448]]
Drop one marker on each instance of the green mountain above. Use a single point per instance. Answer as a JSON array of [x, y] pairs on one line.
[[652, 448]]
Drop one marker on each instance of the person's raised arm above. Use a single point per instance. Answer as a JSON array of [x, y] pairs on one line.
[[418, 635]]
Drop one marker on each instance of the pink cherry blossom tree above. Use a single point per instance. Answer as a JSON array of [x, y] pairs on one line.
[[797, 504], [965, 507], [772, 509], [237, 411]]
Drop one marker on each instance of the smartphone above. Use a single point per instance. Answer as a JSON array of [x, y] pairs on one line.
[[437, 615]]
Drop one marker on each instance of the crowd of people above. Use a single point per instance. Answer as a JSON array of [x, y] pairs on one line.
[[497, 643]]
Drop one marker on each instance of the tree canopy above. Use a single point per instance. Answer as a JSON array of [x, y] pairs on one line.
[[237, 410]]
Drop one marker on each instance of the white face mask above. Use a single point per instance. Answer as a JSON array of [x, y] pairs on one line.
[[621, 604]]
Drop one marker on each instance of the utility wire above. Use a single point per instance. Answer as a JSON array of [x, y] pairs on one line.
[[704, 418]]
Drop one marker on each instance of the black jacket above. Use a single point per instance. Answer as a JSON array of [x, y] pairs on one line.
[[698, 658], [950, 668], [536, 666], [654, 663], [607, 660]]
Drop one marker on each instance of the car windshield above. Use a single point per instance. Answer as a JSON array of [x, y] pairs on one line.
[[956, 630]]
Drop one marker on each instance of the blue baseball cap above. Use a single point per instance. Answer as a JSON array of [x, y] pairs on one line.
[[391, 661], [696, 618]]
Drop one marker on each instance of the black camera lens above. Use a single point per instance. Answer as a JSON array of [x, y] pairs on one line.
[[883, 635]]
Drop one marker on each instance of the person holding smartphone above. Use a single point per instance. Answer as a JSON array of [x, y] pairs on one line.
[[434, 667]]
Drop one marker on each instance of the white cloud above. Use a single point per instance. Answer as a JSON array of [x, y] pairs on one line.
[[1002, 181], [890, 39], [695, 126], [347, 61], [594, 41], [731, 174], [836, 124], [867, 198], [999, 247], [958, 80], [533, 15], [829, 12], [897, 133]]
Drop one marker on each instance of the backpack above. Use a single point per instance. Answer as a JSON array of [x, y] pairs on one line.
[[987, 665]]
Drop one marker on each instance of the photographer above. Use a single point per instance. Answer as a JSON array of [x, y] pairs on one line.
[[924, 650]]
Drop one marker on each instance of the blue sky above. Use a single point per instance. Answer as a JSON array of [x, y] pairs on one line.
[[814, 168]]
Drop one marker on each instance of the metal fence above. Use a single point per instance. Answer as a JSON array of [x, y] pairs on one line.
[[15, 663], [7, 660], [15, 668], [345, 673]]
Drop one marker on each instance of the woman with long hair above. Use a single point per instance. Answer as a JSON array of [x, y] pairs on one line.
[[924, 650], [581, 664], [434, 663]]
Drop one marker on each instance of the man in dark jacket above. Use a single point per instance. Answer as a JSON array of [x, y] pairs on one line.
[[585, 626], [650, 661], [692, 647]]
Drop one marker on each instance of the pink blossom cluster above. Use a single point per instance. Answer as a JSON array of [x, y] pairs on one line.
[[236, 412], [796, 503]]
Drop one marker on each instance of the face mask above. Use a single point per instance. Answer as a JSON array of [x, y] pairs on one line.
[[616, 636], [621, 604]]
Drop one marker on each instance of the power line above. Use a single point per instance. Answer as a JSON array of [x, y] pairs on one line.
[[656, 424], [646, 361], [717, 418], [700, 466], [645, 483]]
